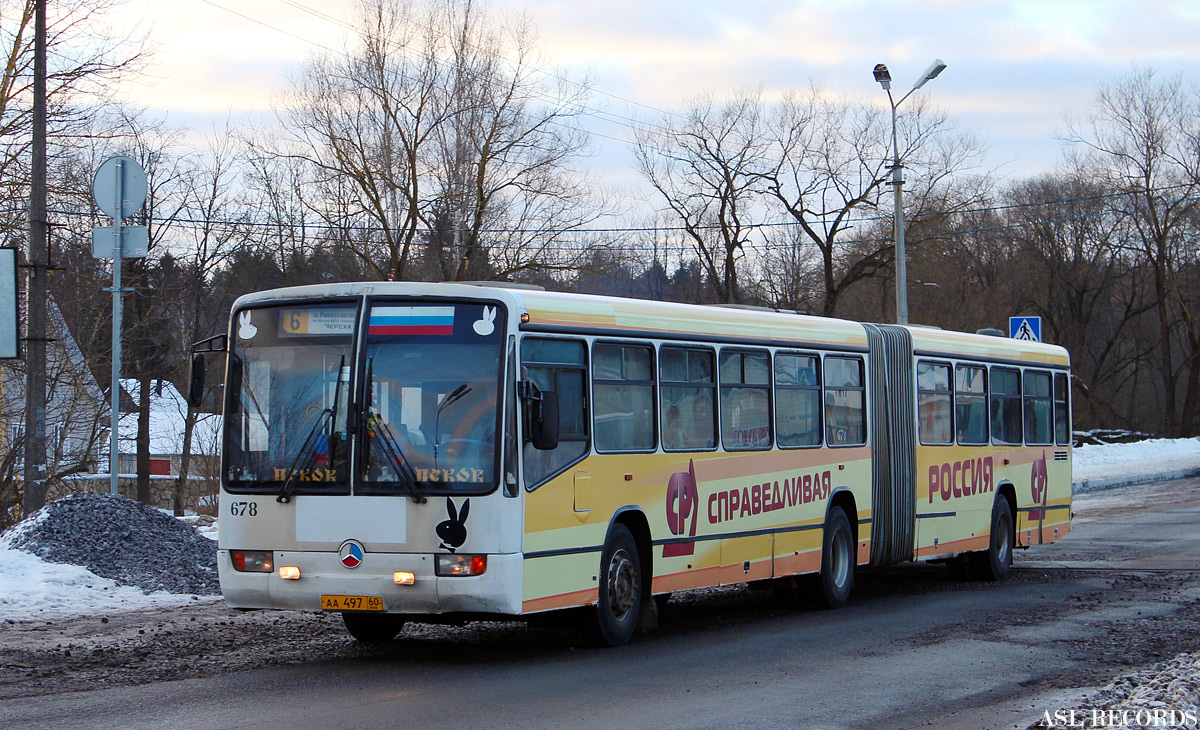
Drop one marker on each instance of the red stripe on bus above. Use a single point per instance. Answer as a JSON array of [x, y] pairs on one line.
[[410, 329], [562, 600]]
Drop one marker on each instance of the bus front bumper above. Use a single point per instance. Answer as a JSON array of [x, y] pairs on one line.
[[497, 590]]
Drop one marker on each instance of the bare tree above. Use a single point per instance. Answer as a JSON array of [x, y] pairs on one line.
[[706, 164], [85, 60], [216, 229], [827, 163], [508, 196], [1142, 138], [426, 132]]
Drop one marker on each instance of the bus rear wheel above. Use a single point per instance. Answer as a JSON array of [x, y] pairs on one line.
[[373, 628], [620, 601], [836, 579], [993, 564]]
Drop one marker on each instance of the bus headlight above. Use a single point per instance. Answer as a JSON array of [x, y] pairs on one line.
[[252, 561], [461, 565]]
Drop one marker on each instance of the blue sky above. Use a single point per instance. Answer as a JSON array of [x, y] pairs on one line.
[[1016, 68]]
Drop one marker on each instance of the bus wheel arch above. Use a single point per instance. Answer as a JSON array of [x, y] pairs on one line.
[[623, 589], [844, 498], [993, 563], [831, 586]]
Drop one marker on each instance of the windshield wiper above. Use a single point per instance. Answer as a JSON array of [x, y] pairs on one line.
[[387, 444], [393, 454], [305, 459], [454, 397]]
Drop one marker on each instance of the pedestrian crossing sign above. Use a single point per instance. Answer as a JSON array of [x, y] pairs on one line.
[[1025, 328]]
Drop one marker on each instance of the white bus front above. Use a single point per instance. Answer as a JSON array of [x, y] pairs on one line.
[[366, 468]]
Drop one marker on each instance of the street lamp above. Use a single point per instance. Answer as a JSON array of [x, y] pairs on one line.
[[885, 80]]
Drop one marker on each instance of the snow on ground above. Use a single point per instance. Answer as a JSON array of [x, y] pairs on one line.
[[91, 554], [31, 588], [1143, 458]]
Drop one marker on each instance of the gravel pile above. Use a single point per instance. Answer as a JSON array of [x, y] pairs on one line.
[[1164, 695], [120, 539]]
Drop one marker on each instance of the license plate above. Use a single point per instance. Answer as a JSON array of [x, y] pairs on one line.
[[352, 603]]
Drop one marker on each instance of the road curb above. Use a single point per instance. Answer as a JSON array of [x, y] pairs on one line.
[[1084, 486]]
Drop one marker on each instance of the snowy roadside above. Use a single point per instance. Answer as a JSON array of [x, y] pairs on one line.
[[1116, 465], [90, 554]]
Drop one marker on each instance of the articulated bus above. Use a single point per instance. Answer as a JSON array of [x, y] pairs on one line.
[[451, 452]]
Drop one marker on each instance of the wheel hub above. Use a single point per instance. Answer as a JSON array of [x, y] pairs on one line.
[[622, 585]]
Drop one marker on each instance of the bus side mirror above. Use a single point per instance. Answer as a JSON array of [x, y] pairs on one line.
[[541, 415], [544, 422], [196, 387], [216, 343]]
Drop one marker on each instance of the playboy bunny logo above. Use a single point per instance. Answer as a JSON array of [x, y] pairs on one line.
[[453, 531], [246, 330], [487, 325]]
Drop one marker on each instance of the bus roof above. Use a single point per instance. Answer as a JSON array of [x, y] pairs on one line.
[[617, 316]]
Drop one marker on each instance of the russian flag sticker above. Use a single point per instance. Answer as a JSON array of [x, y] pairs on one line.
[[411, 321]]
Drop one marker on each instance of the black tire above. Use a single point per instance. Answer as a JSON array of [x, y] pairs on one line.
[[836, 579], [616, 613], [373, 628], [993, 564]]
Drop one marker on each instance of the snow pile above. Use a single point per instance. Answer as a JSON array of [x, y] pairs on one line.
[[1165, 695], [122, 540], [204, 524], [31, 588], [1152, 457]]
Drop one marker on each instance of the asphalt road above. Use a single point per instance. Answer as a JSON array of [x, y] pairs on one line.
[[915, 648]]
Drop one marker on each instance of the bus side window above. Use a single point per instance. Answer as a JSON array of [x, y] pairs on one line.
[[1006, 406], [687, 399], [934, 408], [845, 402], [559, 366], [797, 400], [1039, 409], [1062, 409], [623, 390], [970, 405], [745, 400]]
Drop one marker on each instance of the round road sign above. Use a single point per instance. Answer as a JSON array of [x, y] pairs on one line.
[[132, 179]]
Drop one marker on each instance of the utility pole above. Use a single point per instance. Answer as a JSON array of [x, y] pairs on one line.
[[34, 476], [885, 80]]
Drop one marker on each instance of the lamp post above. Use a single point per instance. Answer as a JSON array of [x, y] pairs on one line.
[[885, 80]]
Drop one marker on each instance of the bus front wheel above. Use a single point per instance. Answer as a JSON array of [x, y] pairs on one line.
[[620, 600], [836, 578], [373, 628]]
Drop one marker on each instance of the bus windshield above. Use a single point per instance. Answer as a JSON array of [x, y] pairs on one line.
[[432, 419], [288, 397]]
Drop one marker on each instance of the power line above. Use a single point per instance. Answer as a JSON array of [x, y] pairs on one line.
[[245, 223], [323, 236]]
